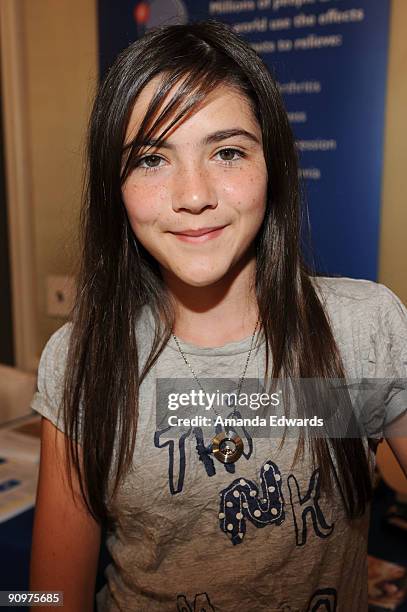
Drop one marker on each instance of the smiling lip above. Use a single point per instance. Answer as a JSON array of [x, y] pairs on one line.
[[201, 235], [198, 232]]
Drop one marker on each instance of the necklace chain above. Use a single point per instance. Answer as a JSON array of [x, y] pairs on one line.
[[226, 447], [244, 369]]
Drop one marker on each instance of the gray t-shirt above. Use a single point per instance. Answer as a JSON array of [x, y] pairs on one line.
[[196, 536]]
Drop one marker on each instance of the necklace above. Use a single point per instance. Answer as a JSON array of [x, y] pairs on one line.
[[227, 447]]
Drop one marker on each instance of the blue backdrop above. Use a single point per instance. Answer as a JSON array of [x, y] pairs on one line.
[[330, 59]]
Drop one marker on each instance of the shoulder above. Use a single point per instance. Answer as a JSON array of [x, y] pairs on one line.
[[53, 357], [50, 378], [369, 323], [344, 289], [346, 297], [54, 353], [350, 304]]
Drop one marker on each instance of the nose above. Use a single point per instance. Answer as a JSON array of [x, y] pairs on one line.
[[193, 189]]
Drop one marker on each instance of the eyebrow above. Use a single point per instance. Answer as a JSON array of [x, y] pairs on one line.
[[208, 139]]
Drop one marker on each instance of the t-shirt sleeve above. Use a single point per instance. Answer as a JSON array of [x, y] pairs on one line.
[[388, 364], [47, 399]]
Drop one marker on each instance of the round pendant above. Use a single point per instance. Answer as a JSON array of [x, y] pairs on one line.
[[227, 448]]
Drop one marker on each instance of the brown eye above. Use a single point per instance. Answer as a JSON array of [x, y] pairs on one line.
[[151, 161], [230, 154]]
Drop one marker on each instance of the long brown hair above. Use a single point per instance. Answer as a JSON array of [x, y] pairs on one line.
[[117, 276]]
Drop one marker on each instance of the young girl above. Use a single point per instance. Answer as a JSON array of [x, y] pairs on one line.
[[191, 269]]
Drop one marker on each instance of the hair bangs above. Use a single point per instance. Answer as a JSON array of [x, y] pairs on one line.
[[187, 98]]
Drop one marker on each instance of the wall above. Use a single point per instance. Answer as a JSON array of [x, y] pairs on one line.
[[393, 244], [61, 69]]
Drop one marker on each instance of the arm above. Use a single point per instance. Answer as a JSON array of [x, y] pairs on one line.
[[66, 539], [399, 448], [396, 437]]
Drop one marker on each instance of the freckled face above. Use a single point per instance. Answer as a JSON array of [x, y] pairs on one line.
[[209, 173]]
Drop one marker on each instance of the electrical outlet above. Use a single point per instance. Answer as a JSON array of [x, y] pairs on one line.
[[61, 292]]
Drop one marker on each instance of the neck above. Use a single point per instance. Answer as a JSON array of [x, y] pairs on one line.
[[225, 311]]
